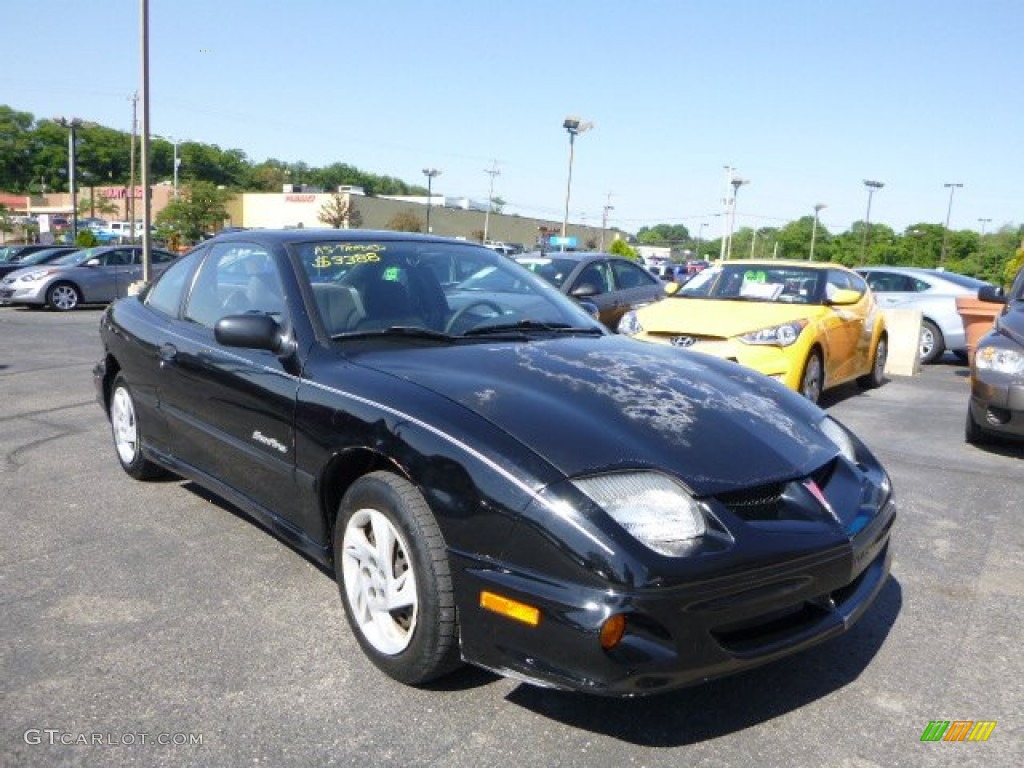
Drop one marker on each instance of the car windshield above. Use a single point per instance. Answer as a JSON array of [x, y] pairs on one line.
[[782, 284], [556, 271], [439, 290], [38, 257]]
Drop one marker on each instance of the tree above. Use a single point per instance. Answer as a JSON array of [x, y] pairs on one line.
[[619, 247], [663, 234], [6, 223], [338, 212], [198, 209], [90, 206], [405, 221]]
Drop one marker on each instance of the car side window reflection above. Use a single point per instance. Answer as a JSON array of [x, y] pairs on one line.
[[166, 294], [595, 277], [235, 279]]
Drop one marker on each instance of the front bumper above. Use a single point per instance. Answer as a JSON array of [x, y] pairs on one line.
[[10, 293], [675, 636], [997, 403]]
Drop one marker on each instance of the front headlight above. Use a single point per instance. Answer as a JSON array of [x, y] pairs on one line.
[[31, 277], [1000, 360], [629, 325], [652, 507], [779, 335], [839, 438]]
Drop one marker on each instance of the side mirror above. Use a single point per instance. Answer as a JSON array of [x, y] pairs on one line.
[[992, 294], [584, 290], [590, 308], [843, 297], [671, 289], [252, 331]]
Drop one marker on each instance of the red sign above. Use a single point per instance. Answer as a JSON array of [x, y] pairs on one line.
[[120, 193], [299, 198]]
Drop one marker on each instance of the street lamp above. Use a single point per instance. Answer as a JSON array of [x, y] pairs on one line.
[[945, 234], [177, 160], [736, 183], [814, 229], [604, 219], [982, 221], [492, 171], [872, 186], [430, 173], [573, 125], [72, 123]]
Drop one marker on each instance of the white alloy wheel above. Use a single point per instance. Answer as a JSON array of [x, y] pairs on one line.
[[124, 426], [379, 581]]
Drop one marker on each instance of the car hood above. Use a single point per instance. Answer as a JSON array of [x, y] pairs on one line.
[[721, 318], [590, 405]]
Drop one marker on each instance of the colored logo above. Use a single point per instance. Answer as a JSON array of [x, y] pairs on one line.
[[958, 730]]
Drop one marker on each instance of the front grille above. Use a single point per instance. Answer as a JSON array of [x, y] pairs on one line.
[[760, 503]]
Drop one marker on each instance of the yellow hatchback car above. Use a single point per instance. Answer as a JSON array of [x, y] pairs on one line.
[[810, 325]]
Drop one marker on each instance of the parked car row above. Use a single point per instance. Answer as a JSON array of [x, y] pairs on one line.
[[492, 475]]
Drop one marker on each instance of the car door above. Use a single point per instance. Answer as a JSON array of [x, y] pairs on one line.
[[891, 288], [102, 282], [633, 286], [594, 283], [231, 410], [845, 328]]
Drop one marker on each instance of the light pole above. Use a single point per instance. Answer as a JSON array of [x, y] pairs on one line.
[[700, 236], [72, 123], [574, 127], [725, 211], [872, 186], [814, 228], [431, 174], [982, 221], [736, 182], [492, 171], [604, 219], [945, 233]]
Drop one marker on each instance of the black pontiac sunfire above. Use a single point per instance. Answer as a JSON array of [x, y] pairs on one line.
[[494, 477]]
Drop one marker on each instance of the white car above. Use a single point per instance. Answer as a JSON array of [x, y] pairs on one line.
[[934, 293]]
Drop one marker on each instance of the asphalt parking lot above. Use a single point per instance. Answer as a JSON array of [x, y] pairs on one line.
[[141, 619]]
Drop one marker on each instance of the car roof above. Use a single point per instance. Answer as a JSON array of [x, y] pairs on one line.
[[768, 263], [311, 234], [569, 255]]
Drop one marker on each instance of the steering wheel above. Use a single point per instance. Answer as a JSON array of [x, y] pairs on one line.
[[461, 311]]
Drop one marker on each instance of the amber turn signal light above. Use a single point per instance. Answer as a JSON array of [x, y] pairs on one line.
[[511, 608], [612, 631]]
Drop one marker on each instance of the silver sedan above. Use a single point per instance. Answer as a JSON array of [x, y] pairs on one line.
[[934, 293], [90, 276]]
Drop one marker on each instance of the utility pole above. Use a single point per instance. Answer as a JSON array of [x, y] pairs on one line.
[[871, 186], [130, 203], [814, 229], [945, 233], [725, 211], [604, 218], [492, 171]]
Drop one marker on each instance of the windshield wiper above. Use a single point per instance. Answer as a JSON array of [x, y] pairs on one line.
[[411, 331], [526, 326]]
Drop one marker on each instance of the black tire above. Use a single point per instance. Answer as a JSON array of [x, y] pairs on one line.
[[127, 434], [933, 344], [812, 379], [974, 434], [384, 532], [876, 377], [63, 297]]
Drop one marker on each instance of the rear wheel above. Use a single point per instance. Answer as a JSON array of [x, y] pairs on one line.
[[63, 297], [392, 570], [876, 377], [813, 378], [124, 426], [932, 342]]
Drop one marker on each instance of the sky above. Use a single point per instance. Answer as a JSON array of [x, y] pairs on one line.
[[804, 99]]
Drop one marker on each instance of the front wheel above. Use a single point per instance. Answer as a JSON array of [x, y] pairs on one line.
[[813, 378], [63, 297], [124, 426], [392, 570], [876, 377]]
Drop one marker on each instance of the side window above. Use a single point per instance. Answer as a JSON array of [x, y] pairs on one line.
[[236, 278], [160, 257], [630, 275], [595, 276], [166, 294], [118, 257], [918, 285]]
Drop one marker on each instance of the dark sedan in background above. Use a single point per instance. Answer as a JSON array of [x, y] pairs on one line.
[[996, 407], [491, 474], [613, 283], [34, 257]]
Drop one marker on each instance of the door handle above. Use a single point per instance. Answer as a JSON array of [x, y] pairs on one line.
[[168, 353]]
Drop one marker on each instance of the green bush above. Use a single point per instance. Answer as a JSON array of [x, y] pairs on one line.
[[86, 239]]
